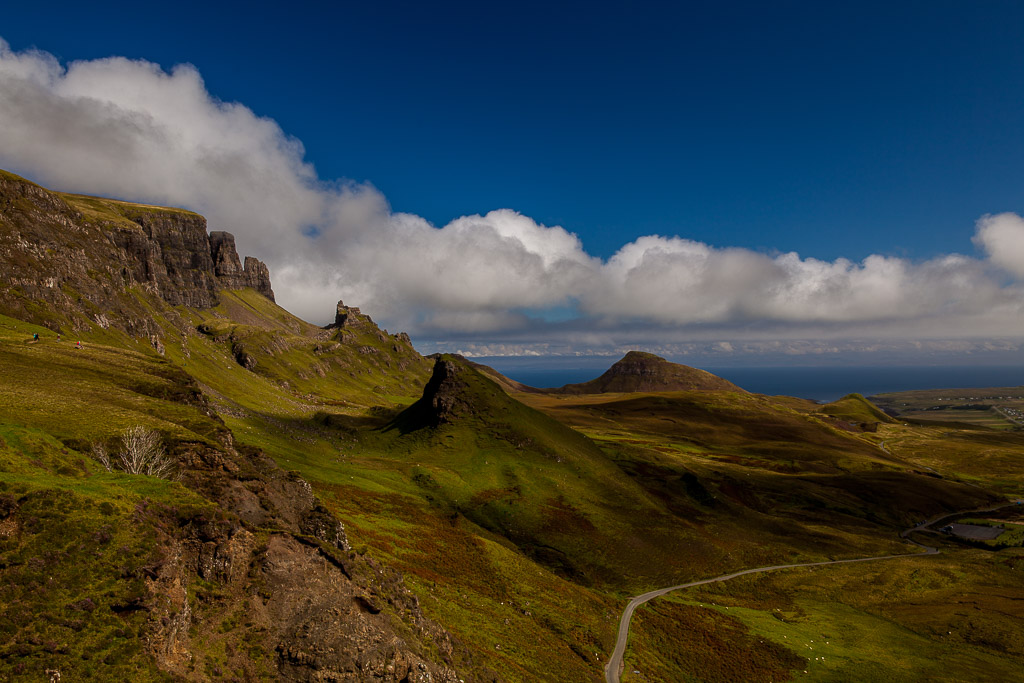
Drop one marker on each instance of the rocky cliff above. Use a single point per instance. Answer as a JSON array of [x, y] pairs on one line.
[[74, 262], [231, 274], [314, 609]]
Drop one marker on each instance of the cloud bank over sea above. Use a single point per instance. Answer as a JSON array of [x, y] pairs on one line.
[[129, 129]]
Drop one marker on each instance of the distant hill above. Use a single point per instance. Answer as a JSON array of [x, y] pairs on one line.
[[639, 371], [855, 408]]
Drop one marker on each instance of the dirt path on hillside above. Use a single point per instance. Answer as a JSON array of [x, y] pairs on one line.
[[613, 669]]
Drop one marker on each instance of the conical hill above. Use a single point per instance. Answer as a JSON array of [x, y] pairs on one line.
[[642, 372]]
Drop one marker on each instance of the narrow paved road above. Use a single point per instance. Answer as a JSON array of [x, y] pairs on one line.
[[613, 669]]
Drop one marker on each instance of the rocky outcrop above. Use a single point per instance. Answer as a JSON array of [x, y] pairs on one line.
[[348, 316], [313, 609], [230, 272], [226, 265], [444, 393], [455, 391], [257, 276], [73, 262], [352, 326]]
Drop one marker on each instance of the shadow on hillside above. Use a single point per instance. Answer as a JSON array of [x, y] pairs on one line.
[[323, 424]]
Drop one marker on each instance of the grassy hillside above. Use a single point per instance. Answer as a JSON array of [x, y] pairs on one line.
[[76, 539], [490, 532], [512, 528], [109, 574], [856, 410]]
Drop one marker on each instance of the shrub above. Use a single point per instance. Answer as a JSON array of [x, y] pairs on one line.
[[142, 452], [99, 451]]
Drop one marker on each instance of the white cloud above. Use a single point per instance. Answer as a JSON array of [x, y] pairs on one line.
[[126, 128], [677, 281], [129, 129], [1002, 238]]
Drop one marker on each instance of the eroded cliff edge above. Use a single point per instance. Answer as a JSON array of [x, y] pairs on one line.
[[71, 262]]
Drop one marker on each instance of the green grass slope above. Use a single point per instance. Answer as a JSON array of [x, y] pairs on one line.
[[106, 575], [356, 366], [756, 468], [75, 540], [951, 617], [475, 452], [854, 408], [519, 522]]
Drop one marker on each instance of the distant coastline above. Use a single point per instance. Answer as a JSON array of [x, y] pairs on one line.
[[816, 383]]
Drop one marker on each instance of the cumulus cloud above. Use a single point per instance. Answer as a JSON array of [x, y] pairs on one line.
[[129, 129], [673, 280], [1002, 238]]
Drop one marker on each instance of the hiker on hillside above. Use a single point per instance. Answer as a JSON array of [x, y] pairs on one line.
[[78, 345], [35, 337]]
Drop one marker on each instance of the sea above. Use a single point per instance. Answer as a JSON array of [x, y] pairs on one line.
[[821, 384]]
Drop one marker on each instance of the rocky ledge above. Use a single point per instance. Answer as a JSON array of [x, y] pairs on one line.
[[71, 262]]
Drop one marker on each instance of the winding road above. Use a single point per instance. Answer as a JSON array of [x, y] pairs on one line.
[[613, 669]]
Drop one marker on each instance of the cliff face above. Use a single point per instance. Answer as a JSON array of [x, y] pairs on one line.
[[257, 276], [170, 255], [231, 274], [70, 262]]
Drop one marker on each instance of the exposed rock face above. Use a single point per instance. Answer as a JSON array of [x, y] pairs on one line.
[[443, 392], [226, 265], [347, 315], [455, 391], [639, 371], [321, 611], [91, 266], [170, 254], [229, 270], [257, 276], [353, 326], [81, 269]]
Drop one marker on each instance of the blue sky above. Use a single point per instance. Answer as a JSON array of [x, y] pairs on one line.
[[832, 129], [838, 131]]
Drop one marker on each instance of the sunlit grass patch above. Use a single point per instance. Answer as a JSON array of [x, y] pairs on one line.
[[96, 391], [910, 619]]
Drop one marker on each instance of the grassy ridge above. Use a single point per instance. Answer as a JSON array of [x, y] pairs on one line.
[[520, 474], [114, 212], [770, 481], [855, 408], [96, 391]]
